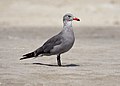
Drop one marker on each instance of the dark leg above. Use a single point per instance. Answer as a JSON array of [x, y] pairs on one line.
[[58, 60]]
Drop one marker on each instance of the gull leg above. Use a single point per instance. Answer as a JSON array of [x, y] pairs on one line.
[[58, 60]]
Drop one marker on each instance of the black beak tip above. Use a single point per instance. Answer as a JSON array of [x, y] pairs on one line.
[[78, 20]]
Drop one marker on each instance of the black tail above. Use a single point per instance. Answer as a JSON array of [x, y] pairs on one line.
[[33, 54], [29, 55]]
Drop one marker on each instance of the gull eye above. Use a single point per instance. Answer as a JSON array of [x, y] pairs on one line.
[[69, 16]]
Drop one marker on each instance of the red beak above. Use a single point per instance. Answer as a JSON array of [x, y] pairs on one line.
[[76, 19]]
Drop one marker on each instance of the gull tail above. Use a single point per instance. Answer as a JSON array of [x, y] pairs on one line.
[[35, 53], [29, 55]]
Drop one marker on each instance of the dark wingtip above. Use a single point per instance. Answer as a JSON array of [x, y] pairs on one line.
[[23, 57], [20, 59]]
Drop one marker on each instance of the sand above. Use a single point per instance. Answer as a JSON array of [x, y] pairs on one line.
[[49, 13], [94, 59]]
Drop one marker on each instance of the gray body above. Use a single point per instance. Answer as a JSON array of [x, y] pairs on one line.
[[59, 43]]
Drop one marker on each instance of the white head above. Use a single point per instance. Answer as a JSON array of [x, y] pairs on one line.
[[68, 18]]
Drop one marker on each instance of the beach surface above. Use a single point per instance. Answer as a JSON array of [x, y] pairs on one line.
[[94, 59]]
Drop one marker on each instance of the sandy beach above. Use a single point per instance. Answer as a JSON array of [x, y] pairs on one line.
[[93, 61]]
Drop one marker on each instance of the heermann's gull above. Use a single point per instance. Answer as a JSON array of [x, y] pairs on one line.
[[59, 43]]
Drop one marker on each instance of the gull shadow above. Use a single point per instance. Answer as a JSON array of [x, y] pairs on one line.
[[68, 65]]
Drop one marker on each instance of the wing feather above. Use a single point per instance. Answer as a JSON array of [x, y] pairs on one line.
[[51, 43]]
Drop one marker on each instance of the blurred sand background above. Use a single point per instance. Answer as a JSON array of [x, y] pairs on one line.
[[35, 12], [94, 59]]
